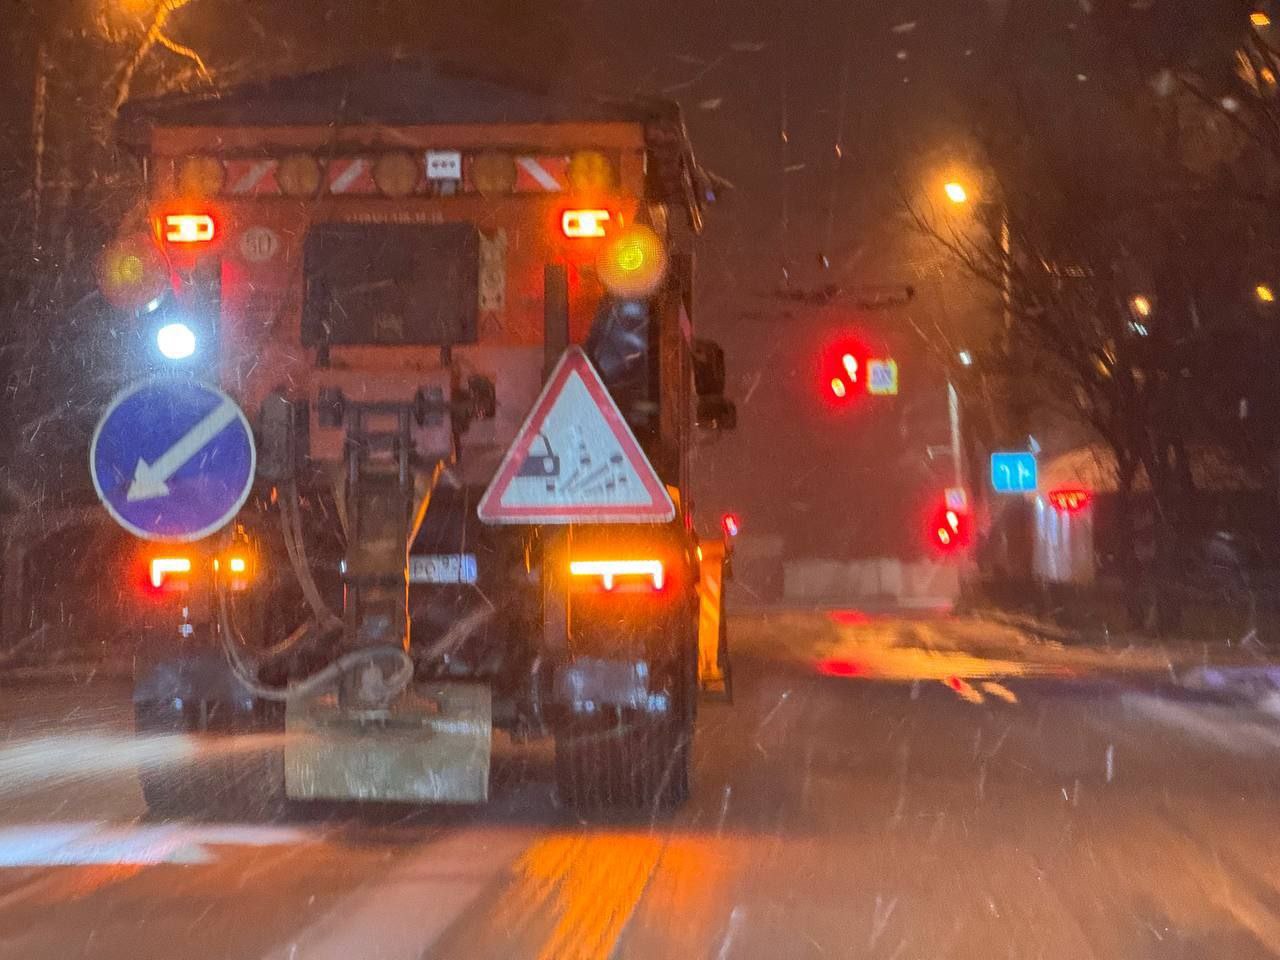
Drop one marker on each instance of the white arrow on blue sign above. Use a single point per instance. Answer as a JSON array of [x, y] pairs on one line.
[[172, 459], [1014, 472]]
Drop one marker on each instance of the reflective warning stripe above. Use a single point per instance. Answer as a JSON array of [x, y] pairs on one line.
[[541, 174], [350, 175], [252, 177], [710, 610]]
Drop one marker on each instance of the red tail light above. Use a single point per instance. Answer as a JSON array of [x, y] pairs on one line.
[[189, 228], [169, 573], [584, 223]]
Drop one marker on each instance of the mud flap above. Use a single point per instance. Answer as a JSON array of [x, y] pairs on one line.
[[431, 746]]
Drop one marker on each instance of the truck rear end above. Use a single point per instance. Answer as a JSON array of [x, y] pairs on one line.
[[394, 288]]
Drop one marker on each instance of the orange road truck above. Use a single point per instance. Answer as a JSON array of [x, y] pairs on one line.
[[454, 319]]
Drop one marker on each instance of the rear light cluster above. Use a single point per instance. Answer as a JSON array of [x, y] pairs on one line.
[[189, 228], [611, 574], [171, 573], [577, 224]]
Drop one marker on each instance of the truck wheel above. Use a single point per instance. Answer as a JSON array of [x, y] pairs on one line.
[[636, 763], [632, 761], [192, 774]]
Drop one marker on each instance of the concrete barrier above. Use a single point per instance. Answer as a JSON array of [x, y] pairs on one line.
[[878, 579]]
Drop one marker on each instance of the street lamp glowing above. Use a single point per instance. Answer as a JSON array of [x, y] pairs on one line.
[[1265, 293], [1140, 305], [956, 192], [1260, 18]]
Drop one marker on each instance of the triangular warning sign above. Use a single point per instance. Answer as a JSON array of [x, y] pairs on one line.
[[575, 460]]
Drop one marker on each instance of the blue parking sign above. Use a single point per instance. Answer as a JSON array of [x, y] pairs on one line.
[[1014, 472]]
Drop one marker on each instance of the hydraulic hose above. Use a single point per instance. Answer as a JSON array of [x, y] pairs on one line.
[[295, 546], [386, 688], [381, 689]]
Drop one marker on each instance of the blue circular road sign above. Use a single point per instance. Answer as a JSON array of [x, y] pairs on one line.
[[172, 459]]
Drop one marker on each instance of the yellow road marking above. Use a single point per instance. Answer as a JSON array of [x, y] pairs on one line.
[[591, 886]]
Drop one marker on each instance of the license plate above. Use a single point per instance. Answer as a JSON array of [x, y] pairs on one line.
[[443, 568]]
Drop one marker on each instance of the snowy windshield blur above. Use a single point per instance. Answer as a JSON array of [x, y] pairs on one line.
[[587, 480]]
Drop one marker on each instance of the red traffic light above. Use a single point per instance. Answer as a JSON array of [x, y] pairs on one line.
[[949, 529], [731, 524], [842, 370]]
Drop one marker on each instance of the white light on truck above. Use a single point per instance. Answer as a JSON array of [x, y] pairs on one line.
[[176, 341]]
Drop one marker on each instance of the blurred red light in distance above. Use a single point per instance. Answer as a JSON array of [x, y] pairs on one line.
[[948, 529], [731, 524], [849, 617], [850, 365], [835, 667], [1070, 499]]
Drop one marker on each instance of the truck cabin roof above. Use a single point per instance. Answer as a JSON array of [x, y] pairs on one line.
[[422, 93]]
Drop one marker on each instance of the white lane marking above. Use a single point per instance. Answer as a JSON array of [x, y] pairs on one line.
[[105, 844], [401, 915]]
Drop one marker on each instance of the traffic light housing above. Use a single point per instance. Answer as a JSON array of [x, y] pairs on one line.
[[949, 529], [843, 371]]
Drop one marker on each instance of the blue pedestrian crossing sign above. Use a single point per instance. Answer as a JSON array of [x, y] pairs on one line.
[[172, 459], [1014, 472], [882, 377]]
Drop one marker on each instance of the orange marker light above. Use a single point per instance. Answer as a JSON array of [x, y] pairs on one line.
[[188, 228], [609, 570], [579, 224]]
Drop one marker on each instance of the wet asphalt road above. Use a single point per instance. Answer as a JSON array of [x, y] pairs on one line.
[[883, 788]]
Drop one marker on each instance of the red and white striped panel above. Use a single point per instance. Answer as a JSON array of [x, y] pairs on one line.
[[542, 174], [251, 178], [350, 175]]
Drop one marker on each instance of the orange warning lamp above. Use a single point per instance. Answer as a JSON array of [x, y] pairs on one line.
[[132, 273], [633, 264]]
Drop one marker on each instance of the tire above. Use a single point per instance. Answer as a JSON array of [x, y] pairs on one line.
[[217, 779], [629, 761], [637, 763]]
